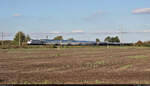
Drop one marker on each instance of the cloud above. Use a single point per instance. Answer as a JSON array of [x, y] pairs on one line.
[[94, 16], [77, 31], [146, 30], [17, 15], [55, 32], [141, 11]]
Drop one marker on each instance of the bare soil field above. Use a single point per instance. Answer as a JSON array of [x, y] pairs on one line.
[[101, 65]]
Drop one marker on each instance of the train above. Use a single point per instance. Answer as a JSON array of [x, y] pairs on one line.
[[60, 42], [73, 42]]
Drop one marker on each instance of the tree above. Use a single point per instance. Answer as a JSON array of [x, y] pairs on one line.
[[19, 38], [112, 39], [97, 40], [58, 38], [72, 39], [139, 43], [107, 39], [27, 38], [115, 39]]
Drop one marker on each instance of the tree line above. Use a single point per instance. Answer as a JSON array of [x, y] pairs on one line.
[[110, 39], [21, 38]]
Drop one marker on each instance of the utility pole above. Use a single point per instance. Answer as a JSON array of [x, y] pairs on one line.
[[46, 37], [19, 39], [61, 43], [2, 40], [121, 34]]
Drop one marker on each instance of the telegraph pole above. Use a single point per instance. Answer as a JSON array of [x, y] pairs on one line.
[[19, 39], [121, 34], [2, 40], [46, 37]]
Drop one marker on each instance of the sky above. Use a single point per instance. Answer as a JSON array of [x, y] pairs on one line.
[[77, 16]]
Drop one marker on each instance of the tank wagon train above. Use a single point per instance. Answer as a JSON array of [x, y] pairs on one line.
[[74, 43]]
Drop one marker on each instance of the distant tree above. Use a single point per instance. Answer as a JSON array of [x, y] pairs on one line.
[[146, 43], [71, 39], [115, 39], [97, 40], [27, 38], [107, 39], [139, 43], [19, 37], [112, 39], [58, 38]]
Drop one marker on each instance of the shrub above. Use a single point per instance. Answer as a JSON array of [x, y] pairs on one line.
[[139, 43]]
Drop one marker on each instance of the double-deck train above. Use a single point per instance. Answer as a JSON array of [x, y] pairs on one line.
[[73, 42]]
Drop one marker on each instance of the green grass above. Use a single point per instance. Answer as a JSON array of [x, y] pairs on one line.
[[30, 56], [46, 82], [97, 82], [126, 66], [57, 55], [84, 81], [138, 56], [99, 62], [67, 66], [94, 64]]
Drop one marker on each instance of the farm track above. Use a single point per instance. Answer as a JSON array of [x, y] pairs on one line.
[[76, 65]]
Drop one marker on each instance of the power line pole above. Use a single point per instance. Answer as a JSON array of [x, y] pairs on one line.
[[2, 40], [46, 37], [121, 34], [19, 39]]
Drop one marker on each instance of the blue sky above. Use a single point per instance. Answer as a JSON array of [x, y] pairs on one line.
[[75, 16]]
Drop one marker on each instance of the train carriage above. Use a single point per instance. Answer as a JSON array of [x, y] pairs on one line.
[[73, 42]]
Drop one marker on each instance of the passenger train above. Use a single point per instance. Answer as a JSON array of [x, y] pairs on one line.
[[73, 42], [60, 42]]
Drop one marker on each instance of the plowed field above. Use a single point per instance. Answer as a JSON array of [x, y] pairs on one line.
[[121, 65]]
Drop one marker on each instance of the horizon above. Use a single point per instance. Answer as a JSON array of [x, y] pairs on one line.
[[82, 36]]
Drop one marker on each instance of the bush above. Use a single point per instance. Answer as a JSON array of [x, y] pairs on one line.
[[58, 38], [139, 43], [147, 43]]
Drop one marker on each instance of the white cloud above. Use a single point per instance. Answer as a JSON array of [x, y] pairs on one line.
[[141, 11], [77, 31], [55, 32], [17, 15], [146, 30]]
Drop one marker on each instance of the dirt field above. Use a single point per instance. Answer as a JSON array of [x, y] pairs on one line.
[[75, 65]]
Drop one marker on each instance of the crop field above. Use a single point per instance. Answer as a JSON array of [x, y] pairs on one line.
[[88, 65]]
